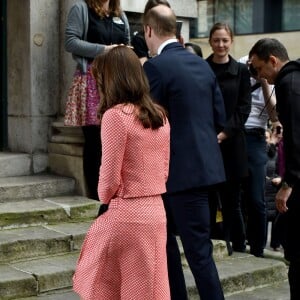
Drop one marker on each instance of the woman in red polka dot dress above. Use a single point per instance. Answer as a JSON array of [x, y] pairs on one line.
[[123, 256]]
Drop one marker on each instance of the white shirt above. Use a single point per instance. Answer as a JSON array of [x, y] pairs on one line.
[[258, 117], [164, 44]]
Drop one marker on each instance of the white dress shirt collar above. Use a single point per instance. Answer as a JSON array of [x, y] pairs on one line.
[[164, 44]]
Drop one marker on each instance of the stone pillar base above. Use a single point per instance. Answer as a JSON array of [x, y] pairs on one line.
[[65, 154]]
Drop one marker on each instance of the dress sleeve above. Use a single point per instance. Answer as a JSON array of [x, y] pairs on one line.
[[113, 137]]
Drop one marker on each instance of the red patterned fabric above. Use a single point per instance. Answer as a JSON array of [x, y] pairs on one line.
[[124, 253], [82, 101]]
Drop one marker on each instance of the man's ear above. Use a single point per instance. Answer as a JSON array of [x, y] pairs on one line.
[[148, 31], [273, 60]]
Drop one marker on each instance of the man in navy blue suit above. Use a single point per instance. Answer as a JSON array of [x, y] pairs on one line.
[[186, 86]]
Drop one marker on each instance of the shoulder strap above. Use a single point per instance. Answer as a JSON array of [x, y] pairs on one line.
[[255, 86]]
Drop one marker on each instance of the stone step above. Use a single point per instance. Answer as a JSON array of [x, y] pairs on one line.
[[277, 291], [38, 241], [219, 252], [48, 210], [35, 241], [59, 295], [14, 164], [66, 134], [35, 186], [65, 154], [33, 277], [241, 272], [238, 273]]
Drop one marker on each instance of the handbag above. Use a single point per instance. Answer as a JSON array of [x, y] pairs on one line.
[[75, 113]]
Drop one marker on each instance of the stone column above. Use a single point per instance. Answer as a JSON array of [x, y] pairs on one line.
[[33, 76]]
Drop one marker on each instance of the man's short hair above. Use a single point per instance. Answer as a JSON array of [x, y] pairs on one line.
[[266, 47], [162, 20]]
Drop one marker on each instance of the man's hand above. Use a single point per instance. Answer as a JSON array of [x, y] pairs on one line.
[[281, 199], [221, 137]]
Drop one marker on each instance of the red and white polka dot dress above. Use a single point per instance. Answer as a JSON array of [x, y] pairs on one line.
[[124, 253]]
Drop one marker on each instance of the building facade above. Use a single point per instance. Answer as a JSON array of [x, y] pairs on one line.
[[36, 71]]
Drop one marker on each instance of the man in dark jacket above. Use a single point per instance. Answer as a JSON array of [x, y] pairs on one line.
[[270, 59], [186, 86]]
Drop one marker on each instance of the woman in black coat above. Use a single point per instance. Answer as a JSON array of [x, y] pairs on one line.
[[234, 81]]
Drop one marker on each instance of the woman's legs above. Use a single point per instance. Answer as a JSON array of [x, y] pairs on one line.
[[92, 159]]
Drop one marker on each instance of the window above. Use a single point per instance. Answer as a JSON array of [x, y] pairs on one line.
[[291, 15], [248, 16]]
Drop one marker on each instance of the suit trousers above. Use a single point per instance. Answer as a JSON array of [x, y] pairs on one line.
[[188, 216]]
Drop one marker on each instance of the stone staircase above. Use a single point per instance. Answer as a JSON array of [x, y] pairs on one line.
[[42, 226], [43, 223]]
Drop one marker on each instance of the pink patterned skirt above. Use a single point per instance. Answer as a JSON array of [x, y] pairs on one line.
[[124, 256], [83, 100]]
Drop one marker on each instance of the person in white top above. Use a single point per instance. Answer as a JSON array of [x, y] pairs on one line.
[[262, 110]]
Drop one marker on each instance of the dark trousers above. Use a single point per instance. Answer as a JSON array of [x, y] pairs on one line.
[[276, 231], [291, 240], [254, 194], [233, 229], [188, 216], [91, 159]]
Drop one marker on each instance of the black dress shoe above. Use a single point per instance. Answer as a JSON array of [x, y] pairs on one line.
[[257, 254], [239, 249], [229, 248]]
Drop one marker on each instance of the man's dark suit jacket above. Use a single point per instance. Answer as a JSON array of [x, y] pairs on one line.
[[186, 86]]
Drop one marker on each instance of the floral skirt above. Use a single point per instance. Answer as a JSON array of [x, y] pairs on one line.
[[82, 101]]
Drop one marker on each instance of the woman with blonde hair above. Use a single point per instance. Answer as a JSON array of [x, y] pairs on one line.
[[234, 80], [123, 256], [93, 27]]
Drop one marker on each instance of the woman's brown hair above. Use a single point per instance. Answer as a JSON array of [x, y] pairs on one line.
[[121, 79], [218, 26], [97, 6]]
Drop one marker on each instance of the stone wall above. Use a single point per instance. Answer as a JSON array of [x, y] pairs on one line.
[[33, 76]]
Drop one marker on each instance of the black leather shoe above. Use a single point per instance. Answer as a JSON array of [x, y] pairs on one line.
[[229, 248], [257, 253]]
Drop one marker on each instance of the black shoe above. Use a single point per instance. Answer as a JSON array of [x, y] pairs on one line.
[[257, 253], [239, 249], [229, 248]]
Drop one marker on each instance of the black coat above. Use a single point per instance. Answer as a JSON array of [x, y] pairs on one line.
[[287, 88], [236, 90]]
